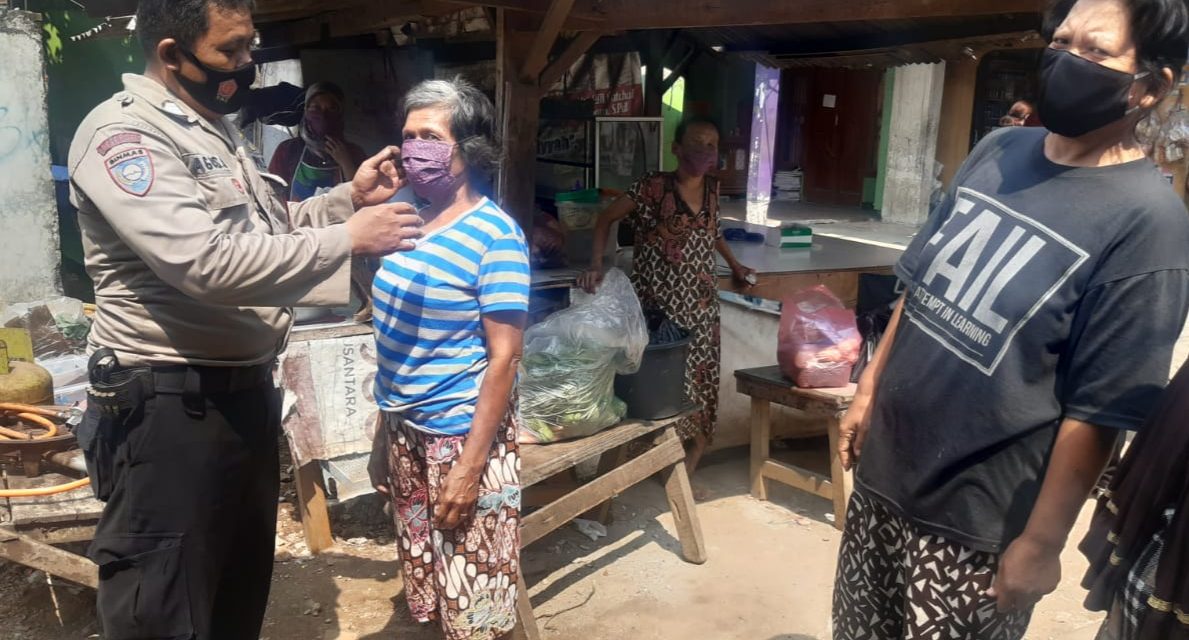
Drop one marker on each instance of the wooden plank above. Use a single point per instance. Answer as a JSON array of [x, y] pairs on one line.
[[73, 508], [540, 461], [841, 479], [773, 377], [538, 524], [611, 460], [812, 405], [311, 497], [579, 45], [526, 622], [61, 535], [679, 70], [761, 436], [682, 14], [26, 551], [538, 53], [681, 504], [799, 478]]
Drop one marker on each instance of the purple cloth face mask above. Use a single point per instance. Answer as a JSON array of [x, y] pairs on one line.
[[427, 168], [699, 161]]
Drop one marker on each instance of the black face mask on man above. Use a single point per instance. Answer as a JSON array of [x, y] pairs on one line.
[[1078, 96], [223, 92]]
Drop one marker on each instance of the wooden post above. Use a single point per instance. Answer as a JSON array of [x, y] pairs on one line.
[[522, 110], [523, 45], [526, 622], [840, 479], [681, 504], [315, 517], [761, 433]]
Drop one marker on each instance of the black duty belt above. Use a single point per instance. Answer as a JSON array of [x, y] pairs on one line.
[[116, 389], [211, 380]]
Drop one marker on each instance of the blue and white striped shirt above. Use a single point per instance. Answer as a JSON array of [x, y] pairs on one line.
[[428, 308]]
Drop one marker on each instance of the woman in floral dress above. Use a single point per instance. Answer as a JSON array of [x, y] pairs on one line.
[[675, 218]]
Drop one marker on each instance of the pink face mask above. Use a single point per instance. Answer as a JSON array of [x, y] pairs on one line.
[[699, 161], [427, 165]]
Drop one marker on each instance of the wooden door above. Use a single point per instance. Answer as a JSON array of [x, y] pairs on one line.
[[841, 135]]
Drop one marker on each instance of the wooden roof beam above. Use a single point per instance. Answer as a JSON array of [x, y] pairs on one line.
[[621, 15], [538, 53], [368, 18]]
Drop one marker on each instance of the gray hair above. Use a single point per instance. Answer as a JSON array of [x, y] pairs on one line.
[[472, 123]]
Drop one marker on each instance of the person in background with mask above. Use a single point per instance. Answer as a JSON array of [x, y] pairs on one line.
[[675, 218], [449, 320], [195, 262], [1044, 298], [320, 159]]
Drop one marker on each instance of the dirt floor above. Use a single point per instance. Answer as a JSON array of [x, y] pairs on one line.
[[768, 578]]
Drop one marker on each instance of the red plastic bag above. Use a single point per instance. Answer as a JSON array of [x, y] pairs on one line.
[[818, 342]]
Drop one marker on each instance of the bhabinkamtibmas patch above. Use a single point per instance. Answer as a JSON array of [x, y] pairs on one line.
[[132, 170]]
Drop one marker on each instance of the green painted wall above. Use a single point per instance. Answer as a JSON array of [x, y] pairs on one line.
[[884, 129], [673, 110], [80, 74]]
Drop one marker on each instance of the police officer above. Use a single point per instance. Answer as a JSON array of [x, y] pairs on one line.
[[195, 263]]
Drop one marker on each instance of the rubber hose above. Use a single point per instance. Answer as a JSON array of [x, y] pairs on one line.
[[44, 491], [35, 415]]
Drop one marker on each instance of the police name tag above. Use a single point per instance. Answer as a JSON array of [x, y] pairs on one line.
[[205, 166], [132, 170]]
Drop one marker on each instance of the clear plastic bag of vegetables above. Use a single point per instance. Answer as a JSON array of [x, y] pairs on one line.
[[567, 375]]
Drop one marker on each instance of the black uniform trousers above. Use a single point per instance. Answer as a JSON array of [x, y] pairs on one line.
[[185, 544]]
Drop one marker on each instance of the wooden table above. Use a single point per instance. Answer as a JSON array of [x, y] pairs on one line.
[[766, 385], [667, 457]]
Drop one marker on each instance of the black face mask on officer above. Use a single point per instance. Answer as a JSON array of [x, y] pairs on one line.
[[1078, 96], [223, 92]]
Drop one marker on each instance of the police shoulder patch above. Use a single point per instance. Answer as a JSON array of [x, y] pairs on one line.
[[132, 170]]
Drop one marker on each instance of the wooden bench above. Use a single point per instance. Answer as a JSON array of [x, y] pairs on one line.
[[667, 457], [767, 385]]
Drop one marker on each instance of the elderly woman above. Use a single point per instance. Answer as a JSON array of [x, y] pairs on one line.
[[449, 323], [675, 218], [1044, 298]]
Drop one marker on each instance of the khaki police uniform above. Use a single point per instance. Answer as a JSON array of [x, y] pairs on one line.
[[195, 262]]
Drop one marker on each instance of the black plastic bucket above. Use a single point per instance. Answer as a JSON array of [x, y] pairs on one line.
[[657, 390]]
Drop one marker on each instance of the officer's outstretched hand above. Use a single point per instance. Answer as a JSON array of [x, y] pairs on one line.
[[381, 229], [378, 179]]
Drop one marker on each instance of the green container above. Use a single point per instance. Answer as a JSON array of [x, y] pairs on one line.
[[796, 236]]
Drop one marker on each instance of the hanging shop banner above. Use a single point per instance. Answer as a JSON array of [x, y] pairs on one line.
[[613, 82]]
